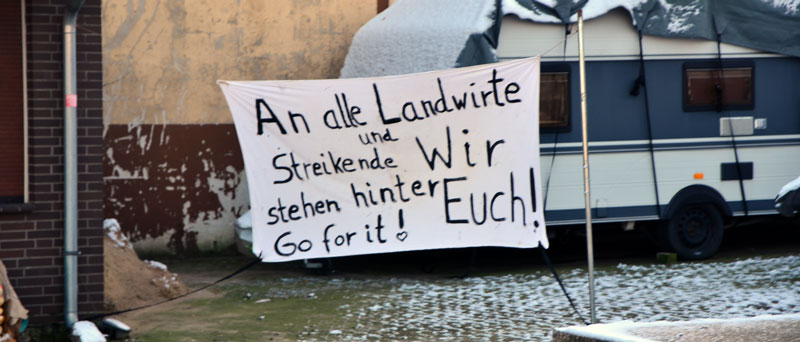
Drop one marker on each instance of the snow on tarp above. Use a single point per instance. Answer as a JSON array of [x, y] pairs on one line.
[[558, 12], [766, 25], [417, 35]]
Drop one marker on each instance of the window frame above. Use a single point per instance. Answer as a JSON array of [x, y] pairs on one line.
[[9, 203], [557, 67], [25, 176], [717, 64]]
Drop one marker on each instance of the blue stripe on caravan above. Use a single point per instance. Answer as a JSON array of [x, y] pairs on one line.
[[635, 213], [638, 146], [602, 214], [759, 205]]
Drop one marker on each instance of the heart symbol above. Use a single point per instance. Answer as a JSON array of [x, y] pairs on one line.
[[402, 236]]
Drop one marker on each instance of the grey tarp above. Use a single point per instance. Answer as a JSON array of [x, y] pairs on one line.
[[421, 35], [766, 25]]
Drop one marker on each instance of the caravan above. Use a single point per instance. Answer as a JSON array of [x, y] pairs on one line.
[[690, 133], [686, 131]]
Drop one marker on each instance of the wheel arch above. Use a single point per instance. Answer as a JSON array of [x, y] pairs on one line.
[[697, 194]]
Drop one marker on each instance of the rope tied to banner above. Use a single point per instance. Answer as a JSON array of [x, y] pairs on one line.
[[561, 284]]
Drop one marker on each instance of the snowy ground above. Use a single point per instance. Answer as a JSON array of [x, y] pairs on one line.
[[510, 295], [527, 306]]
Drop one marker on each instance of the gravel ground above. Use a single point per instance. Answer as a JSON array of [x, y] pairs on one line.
[[509, 296], [528, 305]]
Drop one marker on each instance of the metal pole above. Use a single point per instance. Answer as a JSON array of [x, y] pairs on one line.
[[70, 165], [588, 200]]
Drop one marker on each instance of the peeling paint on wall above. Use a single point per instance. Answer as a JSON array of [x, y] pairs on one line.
[[160, 194]]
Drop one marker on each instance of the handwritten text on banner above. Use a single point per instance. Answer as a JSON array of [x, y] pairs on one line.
[[357, 166]]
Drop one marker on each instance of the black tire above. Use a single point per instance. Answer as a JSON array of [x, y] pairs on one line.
[[694, 232]]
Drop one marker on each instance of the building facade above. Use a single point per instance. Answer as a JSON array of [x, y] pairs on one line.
[[32, 171], [156, 145], [174, 176]]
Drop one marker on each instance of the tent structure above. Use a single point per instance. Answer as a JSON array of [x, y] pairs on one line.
[[418, 35]]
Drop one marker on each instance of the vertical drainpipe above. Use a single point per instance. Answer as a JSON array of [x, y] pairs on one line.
[[70, 165]]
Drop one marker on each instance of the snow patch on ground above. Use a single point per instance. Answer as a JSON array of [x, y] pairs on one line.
[[167, 281], [114, 231], [527, 306], [624, 330], [617, 331], [156, 265], [86, 331], [117, 324]]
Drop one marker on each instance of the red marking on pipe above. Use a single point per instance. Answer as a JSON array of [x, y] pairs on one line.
[[71, 100]]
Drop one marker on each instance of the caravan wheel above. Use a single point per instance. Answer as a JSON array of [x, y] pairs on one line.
[[695, 232]]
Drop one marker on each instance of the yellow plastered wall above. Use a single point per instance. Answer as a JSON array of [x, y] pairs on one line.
[[162, 58]]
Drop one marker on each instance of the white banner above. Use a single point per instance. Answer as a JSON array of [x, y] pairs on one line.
[[357, 166]]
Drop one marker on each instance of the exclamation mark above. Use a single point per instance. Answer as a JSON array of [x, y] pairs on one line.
[[533, 190], [402, 222], [533, 197]]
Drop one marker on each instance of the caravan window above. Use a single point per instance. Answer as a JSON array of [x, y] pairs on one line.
[[706, 85], [554, 99]]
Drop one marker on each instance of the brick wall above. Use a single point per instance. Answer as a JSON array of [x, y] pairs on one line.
[[31, 241]]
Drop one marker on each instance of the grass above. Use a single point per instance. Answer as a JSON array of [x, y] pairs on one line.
[[292, 312]]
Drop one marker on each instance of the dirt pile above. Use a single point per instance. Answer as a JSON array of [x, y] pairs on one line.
[[129, 281]]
